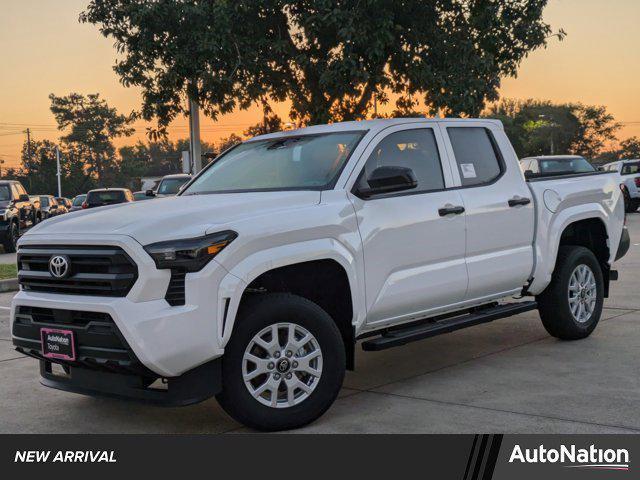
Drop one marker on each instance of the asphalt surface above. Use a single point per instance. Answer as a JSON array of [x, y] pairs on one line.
[[508, 376]]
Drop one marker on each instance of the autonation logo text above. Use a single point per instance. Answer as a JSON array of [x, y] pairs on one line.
[[574, 457]]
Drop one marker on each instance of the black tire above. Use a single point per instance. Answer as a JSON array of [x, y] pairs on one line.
[[260, 312], [553, 303], [11, 239]]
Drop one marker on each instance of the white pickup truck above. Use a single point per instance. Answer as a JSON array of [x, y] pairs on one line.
[[256, 282]]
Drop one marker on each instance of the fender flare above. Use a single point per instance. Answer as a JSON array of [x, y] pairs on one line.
[[545, 264], [241, 275]]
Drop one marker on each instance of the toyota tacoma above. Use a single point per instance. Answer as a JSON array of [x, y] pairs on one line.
[[257, 281]]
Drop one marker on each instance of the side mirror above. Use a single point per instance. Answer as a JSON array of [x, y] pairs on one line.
[[24, 198], [388, 180], [601, 168], [528, 173], [150, 193]]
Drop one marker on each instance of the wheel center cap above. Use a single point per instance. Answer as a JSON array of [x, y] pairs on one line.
[[284, 365]]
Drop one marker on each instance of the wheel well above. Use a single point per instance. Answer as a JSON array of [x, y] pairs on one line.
[[592, 234], [324, 282]]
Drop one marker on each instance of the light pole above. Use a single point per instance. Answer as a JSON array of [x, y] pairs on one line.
[[58, 171]]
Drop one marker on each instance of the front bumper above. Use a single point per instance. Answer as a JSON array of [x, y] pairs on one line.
[[192, 387], [167, 340]]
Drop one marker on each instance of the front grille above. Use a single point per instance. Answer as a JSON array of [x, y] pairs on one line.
[[99, 343], [175, 291], [94, 270]]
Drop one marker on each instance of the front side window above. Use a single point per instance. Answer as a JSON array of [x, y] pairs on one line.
[[415, 149], [476, 155], [305, 162]]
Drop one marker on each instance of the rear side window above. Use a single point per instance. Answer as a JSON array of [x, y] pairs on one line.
[[476, 155], [631, 168], [415, 149]]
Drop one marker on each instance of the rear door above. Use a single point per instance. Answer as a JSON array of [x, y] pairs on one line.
[[498, 205], [413, 250]]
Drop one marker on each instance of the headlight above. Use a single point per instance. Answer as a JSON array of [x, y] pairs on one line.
[[190, 254]]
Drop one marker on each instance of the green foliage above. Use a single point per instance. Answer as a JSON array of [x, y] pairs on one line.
[[537, 127], [630, 148], [329, 58], [91, 125]]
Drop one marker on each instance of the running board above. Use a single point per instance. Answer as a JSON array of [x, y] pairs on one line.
[[403, 335]]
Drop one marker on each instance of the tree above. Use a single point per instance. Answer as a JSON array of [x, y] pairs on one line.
[[329, 58], [537, 127], [92, 125], [630, 148]]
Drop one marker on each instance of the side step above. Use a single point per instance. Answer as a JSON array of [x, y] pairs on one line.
[[403, 335]]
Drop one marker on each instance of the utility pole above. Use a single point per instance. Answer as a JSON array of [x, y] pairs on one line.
[[29, 144], [58, 171], [195, 149], [375, 104]]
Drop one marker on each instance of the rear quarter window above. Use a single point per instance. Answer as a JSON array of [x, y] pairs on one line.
[[476, 155]]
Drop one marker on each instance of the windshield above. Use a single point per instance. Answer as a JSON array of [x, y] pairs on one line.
[[5, 193], [307, 162], [170, 186], [105, 197], [570, 165], [77, 202]]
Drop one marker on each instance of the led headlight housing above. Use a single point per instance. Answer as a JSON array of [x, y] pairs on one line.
[[190, 254]]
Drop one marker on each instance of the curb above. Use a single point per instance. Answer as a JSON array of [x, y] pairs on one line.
[[9, 285]]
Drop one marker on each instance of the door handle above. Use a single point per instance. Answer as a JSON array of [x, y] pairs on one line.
[[450, 210], [515, 201]]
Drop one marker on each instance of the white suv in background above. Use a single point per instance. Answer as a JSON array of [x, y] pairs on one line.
[[629, 171]]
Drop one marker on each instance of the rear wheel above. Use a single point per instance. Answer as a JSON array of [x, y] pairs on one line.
[[11, 238], [284, 364], [570, 307]]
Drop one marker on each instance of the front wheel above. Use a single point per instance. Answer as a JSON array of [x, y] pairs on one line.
[[284, 364], [570, 307]]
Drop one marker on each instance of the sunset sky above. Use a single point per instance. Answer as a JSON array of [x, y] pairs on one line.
[[43, 50]]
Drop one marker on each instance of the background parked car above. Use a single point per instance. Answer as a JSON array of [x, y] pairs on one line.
[[16, 213], [169, 185], [549, 165], [141, 195], [76, 203], [107, 196], [64, 201], [37, 207], [629, 171], [50, 207]]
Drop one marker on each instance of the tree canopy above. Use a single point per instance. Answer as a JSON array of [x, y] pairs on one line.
[[535, 127], [328, 58]]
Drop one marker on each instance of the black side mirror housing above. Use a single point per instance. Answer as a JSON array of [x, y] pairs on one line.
[[528, 174], [150, 193], [389, 179]]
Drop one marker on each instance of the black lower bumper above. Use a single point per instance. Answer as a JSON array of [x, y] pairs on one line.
[[192, 387], [623, 246]]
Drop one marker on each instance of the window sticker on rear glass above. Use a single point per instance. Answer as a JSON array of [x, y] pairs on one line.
[[468, 170]]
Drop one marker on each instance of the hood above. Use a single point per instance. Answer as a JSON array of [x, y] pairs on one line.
[[173, 217]]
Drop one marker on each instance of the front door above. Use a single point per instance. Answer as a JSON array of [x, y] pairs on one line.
[[414, 241]]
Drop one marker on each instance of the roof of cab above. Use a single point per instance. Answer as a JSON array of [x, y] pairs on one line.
[[367, 125]]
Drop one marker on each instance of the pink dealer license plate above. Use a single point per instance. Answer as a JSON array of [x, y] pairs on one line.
[[58, 344]]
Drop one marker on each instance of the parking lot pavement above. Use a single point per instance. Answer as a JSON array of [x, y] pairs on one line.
[[507, 376], [7, 258]]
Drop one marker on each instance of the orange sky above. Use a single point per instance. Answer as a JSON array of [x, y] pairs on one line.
[[43, 49]]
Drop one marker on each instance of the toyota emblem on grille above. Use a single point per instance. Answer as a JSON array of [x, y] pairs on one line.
[[59, 266]]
